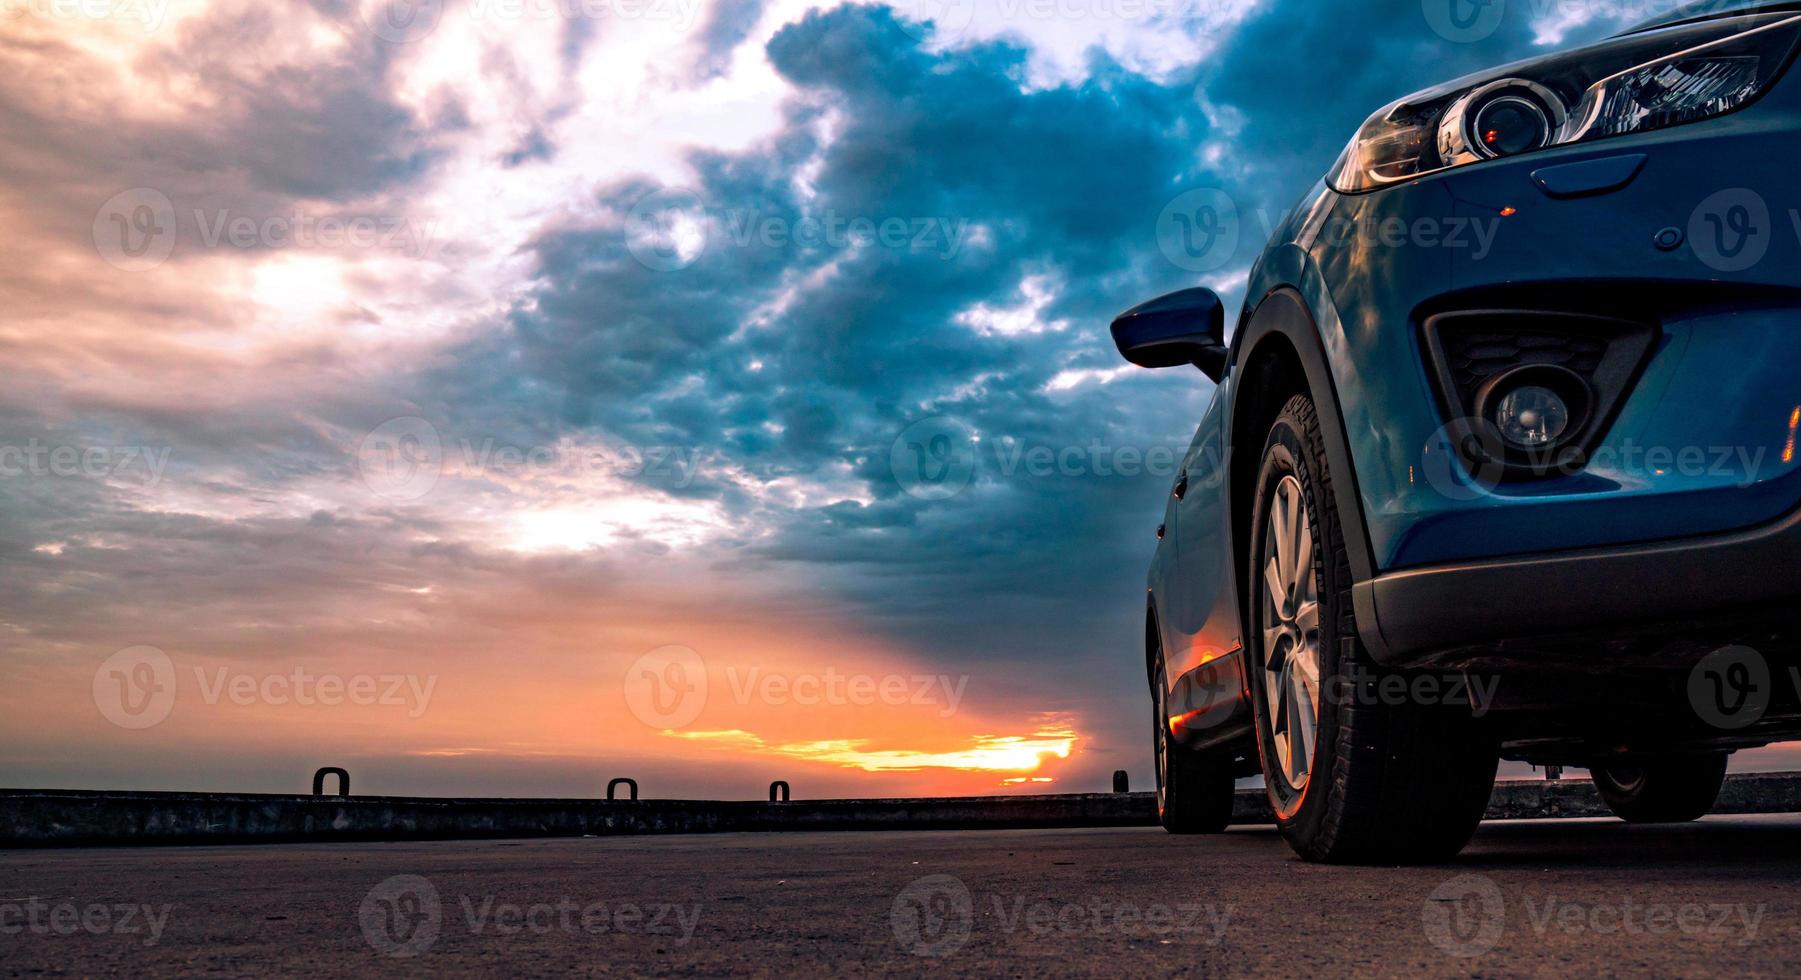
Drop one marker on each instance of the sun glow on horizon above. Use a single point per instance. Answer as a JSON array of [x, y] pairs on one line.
[[985, 753]]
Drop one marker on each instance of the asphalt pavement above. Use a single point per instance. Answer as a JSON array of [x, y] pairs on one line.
[[1573, 898]]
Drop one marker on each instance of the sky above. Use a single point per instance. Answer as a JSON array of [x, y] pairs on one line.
[[494, 397]]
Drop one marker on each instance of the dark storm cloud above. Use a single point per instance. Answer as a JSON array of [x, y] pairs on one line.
[[939, 141]]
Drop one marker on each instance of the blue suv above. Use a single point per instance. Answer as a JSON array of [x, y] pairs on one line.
[[1501, 462]]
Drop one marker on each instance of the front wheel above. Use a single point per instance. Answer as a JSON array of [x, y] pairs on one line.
[[1673, 789], [1352, 779]]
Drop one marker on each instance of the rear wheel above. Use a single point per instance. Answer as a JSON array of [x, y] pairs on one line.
[[1194, 791], [1352, 779], [1672, 789]]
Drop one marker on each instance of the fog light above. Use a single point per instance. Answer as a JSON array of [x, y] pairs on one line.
[[1532, 417]]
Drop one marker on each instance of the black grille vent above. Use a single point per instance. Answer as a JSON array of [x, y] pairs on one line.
[[1474, 356], [1467, 349]]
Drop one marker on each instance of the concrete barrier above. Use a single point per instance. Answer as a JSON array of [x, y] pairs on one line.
[[51, 818]]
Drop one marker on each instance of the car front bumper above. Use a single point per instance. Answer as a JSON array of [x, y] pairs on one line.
[[1457, 613]]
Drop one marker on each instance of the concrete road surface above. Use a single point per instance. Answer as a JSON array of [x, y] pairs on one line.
[[1589, 898]]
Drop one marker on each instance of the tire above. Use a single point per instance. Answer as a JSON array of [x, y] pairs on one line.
[[1194, 791], [1672, 789], [1379, 783]]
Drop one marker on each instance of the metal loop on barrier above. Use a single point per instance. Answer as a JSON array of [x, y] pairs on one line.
[[631, 784], [779, 786], [1120, 783], [343, 781]]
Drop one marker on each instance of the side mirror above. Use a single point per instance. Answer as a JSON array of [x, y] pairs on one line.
[[1188, 327]]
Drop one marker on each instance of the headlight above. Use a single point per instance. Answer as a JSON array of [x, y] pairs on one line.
[[1632, 84]]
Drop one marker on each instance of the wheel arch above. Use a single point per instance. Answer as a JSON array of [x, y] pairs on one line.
[[1280, 354]]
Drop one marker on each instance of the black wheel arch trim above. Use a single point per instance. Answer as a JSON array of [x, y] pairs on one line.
[[1284, 312]]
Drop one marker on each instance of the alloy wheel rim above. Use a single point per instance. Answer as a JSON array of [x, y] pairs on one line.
[[1291, 637], [1626, 778]]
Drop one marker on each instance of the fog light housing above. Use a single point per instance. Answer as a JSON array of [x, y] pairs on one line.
[[1538, 410]]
